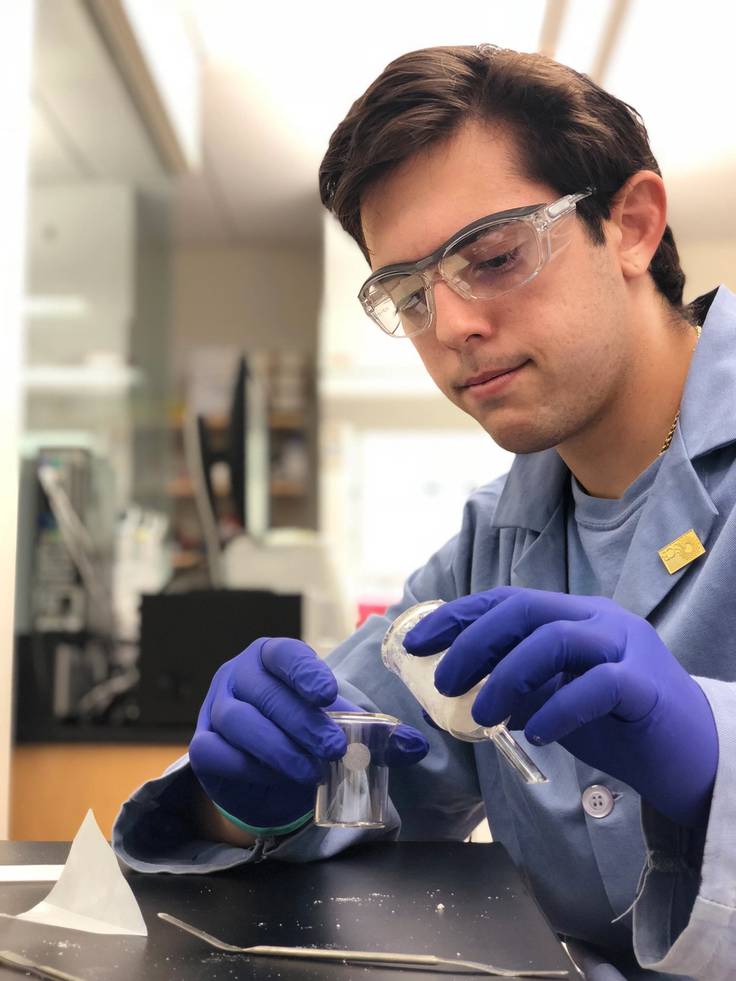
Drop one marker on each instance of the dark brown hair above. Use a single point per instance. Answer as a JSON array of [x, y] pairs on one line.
[[571, 134]]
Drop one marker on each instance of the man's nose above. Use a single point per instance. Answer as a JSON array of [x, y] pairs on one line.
[[458, 320]]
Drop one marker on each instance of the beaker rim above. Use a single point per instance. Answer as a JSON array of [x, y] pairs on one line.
[[366, 718]]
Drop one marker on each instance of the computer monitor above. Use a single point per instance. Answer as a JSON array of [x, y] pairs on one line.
[[237, 451], [199, 465], [246, 454]]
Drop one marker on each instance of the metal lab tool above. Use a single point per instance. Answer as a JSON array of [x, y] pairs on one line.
[[360, 956], [19, 963], [451, 714]]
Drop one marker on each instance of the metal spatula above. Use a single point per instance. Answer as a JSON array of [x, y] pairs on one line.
[[18, 962], [361, 956]]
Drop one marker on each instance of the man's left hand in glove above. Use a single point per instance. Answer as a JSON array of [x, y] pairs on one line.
[[584, 672]]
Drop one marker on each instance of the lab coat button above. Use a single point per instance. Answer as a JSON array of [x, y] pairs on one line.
[[597, 801]]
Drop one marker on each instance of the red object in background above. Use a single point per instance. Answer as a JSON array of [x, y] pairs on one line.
[[368, 606]]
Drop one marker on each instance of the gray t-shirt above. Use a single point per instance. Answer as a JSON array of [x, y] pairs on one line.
[[599, 532]]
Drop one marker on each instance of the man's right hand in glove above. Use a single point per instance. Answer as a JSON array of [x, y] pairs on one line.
[[263, 736]]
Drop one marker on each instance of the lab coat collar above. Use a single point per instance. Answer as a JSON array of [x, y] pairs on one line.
[[537, 481], [707, 417], [532, 492]]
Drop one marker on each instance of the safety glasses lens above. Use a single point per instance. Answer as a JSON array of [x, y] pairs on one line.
[[493, 260], [399, 304]]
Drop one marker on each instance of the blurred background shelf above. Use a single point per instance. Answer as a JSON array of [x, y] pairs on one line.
[[80, 379], [243, 449], [182, 488], [288, 488]]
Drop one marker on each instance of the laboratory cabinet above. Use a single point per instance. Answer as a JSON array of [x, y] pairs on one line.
[[53, 784]]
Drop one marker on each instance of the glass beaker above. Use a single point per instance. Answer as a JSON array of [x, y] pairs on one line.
[[451, 714], [354, 790]]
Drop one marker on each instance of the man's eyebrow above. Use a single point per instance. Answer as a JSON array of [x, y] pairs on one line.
[[463, 228], [422, 255], [396, 262]]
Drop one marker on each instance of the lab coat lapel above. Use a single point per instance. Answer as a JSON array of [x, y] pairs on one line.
[[543, 563], [534, 505], [677, 502]]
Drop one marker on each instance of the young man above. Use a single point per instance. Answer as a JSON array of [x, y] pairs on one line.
[[514, 220]]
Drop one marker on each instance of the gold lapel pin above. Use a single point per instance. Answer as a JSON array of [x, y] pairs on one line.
[[681, 552]]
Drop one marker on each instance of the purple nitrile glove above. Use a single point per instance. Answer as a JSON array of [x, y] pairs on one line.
[[262, 736], [584, 672]]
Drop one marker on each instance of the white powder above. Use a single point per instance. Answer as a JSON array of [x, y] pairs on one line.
[[417, 673], [452, 714]]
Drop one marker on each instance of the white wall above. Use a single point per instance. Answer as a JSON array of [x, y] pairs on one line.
[[15, 64], [254, 298], [708, 263], [81, 245]]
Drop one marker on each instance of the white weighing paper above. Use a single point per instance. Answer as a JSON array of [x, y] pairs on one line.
[[30, 873], [91, 893]]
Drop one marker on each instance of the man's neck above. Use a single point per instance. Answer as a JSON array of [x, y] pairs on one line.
[[609, 456]]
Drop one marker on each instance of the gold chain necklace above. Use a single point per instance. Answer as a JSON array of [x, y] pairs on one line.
[[668, 438]]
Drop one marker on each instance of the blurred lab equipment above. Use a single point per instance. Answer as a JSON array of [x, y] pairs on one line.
[[246, 458], [451, 714], [68, 661], [142, 565], [185, 637], [65, 536], [258, 557]]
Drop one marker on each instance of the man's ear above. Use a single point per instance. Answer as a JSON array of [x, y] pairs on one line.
[[639, 210]]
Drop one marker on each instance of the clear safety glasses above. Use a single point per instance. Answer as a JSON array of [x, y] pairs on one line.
[[487, 258]]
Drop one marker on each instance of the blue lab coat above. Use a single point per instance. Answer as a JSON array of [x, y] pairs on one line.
[[584, 870]]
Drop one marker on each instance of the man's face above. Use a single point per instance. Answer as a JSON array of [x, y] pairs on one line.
[[560, 340]]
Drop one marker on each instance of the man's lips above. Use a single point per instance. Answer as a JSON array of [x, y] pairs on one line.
[[486, 376]]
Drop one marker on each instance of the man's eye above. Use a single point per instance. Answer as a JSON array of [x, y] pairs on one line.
[[498, 263]]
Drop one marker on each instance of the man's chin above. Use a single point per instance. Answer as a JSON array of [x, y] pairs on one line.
[[522, 439]]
